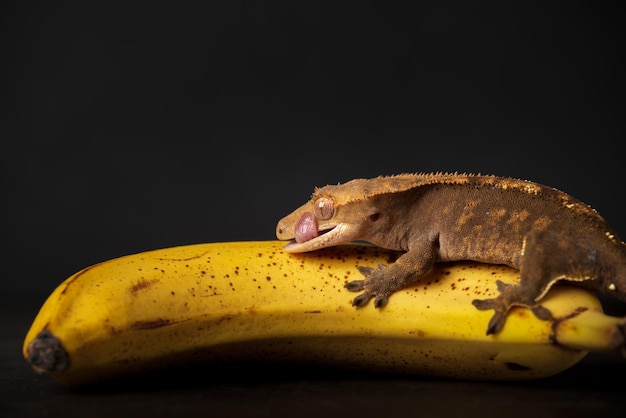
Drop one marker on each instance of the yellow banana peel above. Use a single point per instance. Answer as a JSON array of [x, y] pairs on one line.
[[251, 300]]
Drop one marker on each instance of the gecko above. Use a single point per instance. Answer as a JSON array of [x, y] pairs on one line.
[[543, 232]]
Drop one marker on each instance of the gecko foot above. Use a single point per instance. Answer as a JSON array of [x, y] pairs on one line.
[[369, 287], [497, 320], [363, 298]]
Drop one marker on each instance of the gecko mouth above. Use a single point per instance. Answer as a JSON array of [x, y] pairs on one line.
[[339, 234], [309, 235]]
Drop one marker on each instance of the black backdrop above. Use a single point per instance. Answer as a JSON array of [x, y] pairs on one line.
[[129, 126]]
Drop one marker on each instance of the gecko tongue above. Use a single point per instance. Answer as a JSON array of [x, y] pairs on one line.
[[306, 228]]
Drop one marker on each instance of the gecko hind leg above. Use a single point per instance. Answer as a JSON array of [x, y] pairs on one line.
[[510, 296], [540, 267]]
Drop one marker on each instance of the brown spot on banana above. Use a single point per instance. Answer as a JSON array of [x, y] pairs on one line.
[[142, 284], [156, 323]]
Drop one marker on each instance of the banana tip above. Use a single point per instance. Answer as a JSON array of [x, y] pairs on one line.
[[46, 354]]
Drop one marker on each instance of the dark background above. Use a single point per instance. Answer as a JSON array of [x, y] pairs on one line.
[[130, 126]]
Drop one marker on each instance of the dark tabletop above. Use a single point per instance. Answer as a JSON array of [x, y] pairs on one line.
[[593, 387]]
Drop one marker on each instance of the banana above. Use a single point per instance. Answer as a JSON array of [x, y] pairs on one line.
[[250, 300]]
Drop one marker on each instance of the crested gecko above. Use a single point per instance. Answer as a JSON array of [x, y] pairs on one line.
[[436, 217]]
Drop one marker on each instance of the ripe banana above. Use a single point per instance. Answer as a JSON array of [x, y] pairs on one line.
[[252, 300]]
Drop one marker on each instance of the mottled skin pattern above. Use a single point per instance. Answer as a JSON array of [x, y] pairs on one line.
[[545, 233]]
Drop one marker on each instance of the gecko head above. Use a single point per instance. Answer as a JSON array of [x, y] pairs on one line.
[[338, 214], [314, 226], [332, 217]]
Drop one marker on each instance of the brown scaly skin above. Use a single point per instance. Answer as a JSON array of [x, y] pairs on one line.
[[545, 233]]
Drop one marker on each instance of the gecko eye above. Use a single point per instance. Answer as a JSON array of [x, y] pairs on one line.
[[324, 208]]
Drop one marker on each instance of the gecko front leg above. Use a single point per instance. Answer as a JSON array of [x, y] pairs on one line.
[[380, 283]]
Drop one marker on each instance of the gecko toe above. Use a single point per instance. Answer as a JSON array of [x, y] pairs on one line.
[[542, 313], [501, 285], [495, 323], [361, 300], [355, 285], [380, 301], [483, 304], [364, 270]]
